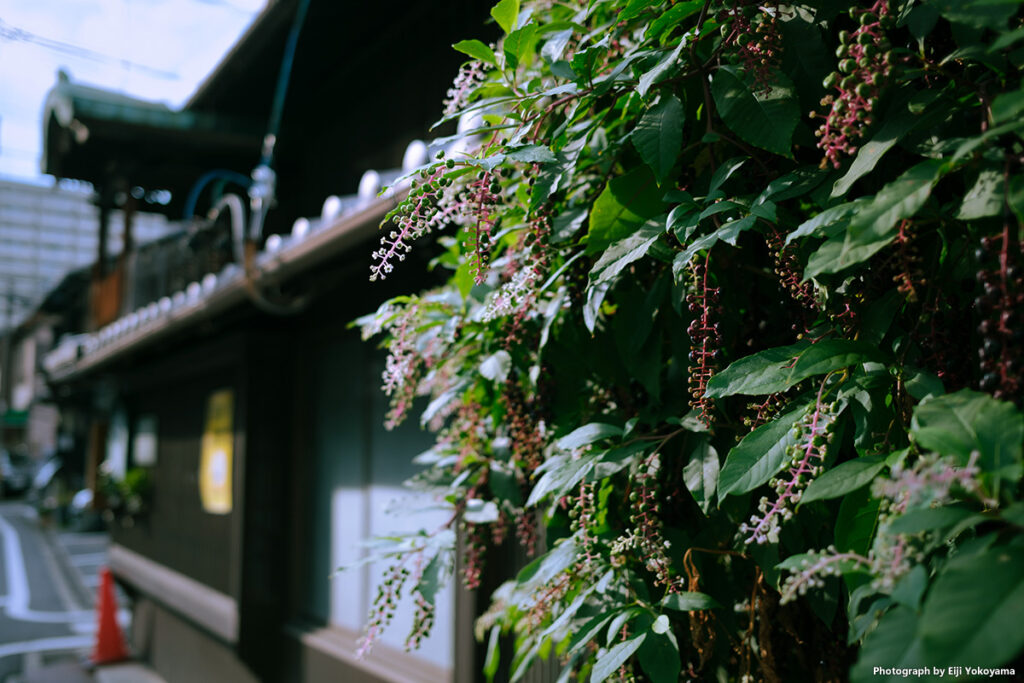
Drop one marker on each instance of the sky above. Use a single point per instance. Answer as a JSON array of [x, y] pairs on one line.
[[159, 50]]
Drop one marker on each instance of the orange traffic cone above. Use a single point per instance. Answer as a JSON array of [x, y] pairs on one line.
[[110, 645]]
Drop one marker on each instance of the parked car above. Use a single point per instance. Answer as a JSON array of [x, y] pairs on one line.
[[15, 472]]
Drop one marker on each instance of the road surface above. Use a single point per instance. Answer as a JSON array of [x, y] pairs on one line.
[[47, 590]]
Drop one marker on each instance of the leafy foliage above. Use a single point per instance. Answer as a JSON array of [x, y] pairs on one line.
[[721, 358]]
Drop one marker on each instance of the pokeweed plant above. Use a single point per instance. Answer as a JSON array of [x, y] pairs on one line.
[[731, 342]]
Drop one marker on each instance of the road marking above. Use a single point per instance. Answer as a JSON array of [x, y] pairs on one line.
[[89, 558], [17, 601], [45, 645]]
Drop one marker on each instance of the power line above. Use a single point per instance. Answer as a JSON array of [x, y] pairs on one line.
[[14, 33]]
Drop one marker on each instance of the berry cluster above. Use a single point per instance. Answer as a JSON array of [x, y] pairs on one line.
[[764, 411], [582, 522], [908, 277], [864, 66], [523, 273], [526, 430], [479, 204], [426, 208], [469, 77], [646, 536], [928, 483], [811, 438], [476, 550], [815, 567], [789, 270], [389, 592], [704, 337], [1000, 304], [751, 27], [403, 366]]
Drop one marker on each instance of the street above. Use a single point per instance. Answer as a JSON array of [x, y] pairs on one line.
[[47, 590]]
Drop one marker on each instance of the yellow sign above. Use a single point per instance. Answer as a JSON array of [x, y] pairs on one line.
[[217, 450]]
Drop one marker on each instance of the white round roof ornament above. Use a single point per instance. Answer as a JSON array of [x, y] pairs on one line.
[[369, 186], [416, 155], [331, 208]]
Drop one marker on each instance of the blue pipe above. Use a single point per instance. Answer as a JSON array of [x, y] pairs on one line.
[[283, 77], [197, 188]]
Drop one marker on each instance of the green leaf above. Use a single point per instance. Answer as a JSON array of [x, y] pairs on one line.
[[833, 354], [728, 233], [972, 613], [476, 50], [493, 658], [701, 474], [585, 635], [799, 182], [892, 645], [765, 372], [976, 13], [872, 227], [1008, 106], [672, 17], [506, 13], [985, 198], [775, 370], [660, 69], [530, 154], [929, 519], [546, 567], [857, 521], [432, 578], [967, 421], [587, 434], [909, 590], [689, 601], [496, 366], [559, 475], [971, 617], [586, 60], [624, 252], [519, 44], [556, 175], [727, 169], [659, 136], [635, 7], [555, 45], [609, 662], [1015, 196], [821, 223], [759, 456], [659, 657], [765, 120], [843, 479], [897, 123], [626, 203]]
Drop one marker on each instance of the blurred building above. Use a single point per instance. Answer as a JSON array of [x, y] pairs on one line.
[[223, 366], [47, 235]]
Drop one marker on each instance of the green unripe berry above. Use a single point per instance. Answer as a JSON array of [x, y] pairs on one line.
[[847, 66]]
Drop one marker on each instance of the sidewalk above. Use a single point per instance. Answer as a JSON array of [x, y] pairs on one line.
[[72, 672], [78, 556]]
